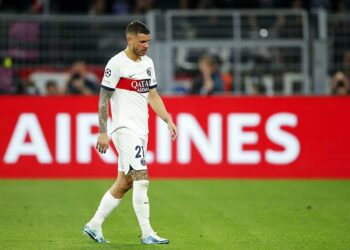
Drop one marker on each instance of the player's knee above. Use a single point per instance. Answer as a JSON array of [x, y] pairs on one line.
[[119, 190], [128, 185], [138, 175]]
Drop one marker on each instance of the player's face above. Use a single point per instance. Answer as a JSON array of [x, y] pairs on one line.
[[140, 44]]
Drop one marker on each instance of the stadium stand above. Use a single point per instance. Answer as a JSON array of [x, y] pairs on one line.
[[264, 47]]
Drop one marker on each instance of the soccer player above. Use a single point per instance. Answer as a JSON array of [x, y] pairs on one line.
[[129, 83]]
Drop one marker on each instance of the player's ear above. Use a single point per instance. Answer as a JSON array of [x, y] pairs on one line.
[[129, 38]]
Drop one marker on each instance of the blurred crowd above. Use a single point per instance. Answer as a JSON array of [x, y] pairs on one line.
[[77, 81], [209, 80], [120, 7], [208, 76]]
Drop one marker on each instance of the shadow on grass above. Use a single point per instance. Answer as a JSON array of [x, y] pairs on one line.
[[127, 246]]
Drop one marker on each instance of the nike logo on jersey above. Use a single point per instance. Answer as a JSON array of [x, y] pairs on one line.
[[132, 75]]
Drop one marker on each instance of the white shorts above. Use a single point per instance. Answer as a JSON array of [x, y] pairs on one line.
[[131, 151]]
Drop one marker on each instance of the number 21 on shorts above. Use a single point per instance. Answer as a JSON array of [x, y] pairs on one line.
[[139, 150]]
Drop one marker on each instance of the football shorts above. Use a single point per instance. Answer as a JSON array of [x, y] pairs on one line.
[[131, 151]]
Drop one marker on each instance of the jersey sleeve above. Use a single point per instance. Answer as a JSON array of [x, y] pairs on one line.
[[153, 83], [111, 76]]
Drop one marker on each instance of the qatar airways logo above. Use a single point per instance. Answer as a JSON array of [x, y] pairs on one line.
[[141, 86], [238, 133]]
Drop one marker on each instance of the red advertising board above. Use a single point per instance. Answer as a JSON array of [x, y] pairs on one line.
[[219, 137]]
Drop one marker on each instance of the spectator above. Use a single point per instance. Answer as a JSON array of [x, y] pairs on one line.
[[25, 6], [121, 7], [209, 79], [207, 4], [321, 4], [52, 88], [78, 83], [23, 41], [98, 7], [27, 87], [338, 31], [340, 84], [143, 6], [343, 6]]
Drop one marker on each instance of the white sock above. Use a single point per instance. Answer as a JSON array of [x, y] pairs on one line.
[[141, 206], [107, 204]]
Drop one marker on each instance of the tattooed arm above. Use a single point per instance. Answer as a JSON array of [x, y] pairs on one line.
[[103, 140], [158, 106]]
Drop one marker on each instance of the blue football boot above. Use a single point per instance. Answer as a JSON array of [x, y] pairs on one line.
[[154, 239], [94, 234]]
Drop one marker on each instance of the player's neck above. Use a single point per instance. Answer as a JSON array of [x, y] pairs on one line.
[[129, 53]]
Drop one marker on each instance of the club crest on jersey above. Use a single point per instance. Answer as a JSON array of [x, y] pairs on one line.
[[149, 72]]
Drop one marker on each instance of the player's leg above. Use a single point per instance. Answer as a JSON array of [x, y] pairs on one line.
[[109, 202], [121, 186], [140, 200], [112, 197], [142, 207], [131, 150], [141, 203]]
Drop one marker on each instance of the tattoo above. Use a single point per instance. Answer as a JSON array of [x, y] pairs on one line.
[[105, 95], [138, 175]]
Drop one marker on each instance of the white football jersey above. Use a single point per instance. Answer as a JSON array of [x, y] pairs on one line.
[[130, 82]]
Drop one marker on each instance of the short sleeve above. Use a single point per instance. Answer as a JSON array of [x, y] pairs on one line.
[[111, 76], [153, 83]]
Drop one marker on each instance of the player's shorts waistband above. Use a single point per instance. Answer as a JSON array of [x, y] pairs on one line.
[[130, 132]]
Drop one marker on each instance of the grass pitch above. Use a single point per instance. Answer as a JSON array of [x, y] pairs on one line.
[[193, 214]]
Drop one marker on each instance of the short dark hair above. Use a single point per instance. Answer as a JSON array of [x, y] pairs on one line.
[[136, 27]]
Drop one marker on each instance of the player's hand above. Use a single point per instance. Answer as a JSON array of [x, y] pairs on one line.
[[173, 130], [102, 143]]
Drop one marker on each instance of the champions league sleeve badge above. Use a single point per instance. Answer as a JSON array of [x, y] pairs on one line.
[[108, 72]]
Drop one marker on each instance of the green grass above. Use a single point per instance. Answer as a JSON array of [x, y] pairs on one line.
[[193, 214]]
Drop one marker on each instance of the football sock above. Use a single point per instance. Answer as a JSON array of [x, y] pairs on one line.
[[141, 206], [107, 204]]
